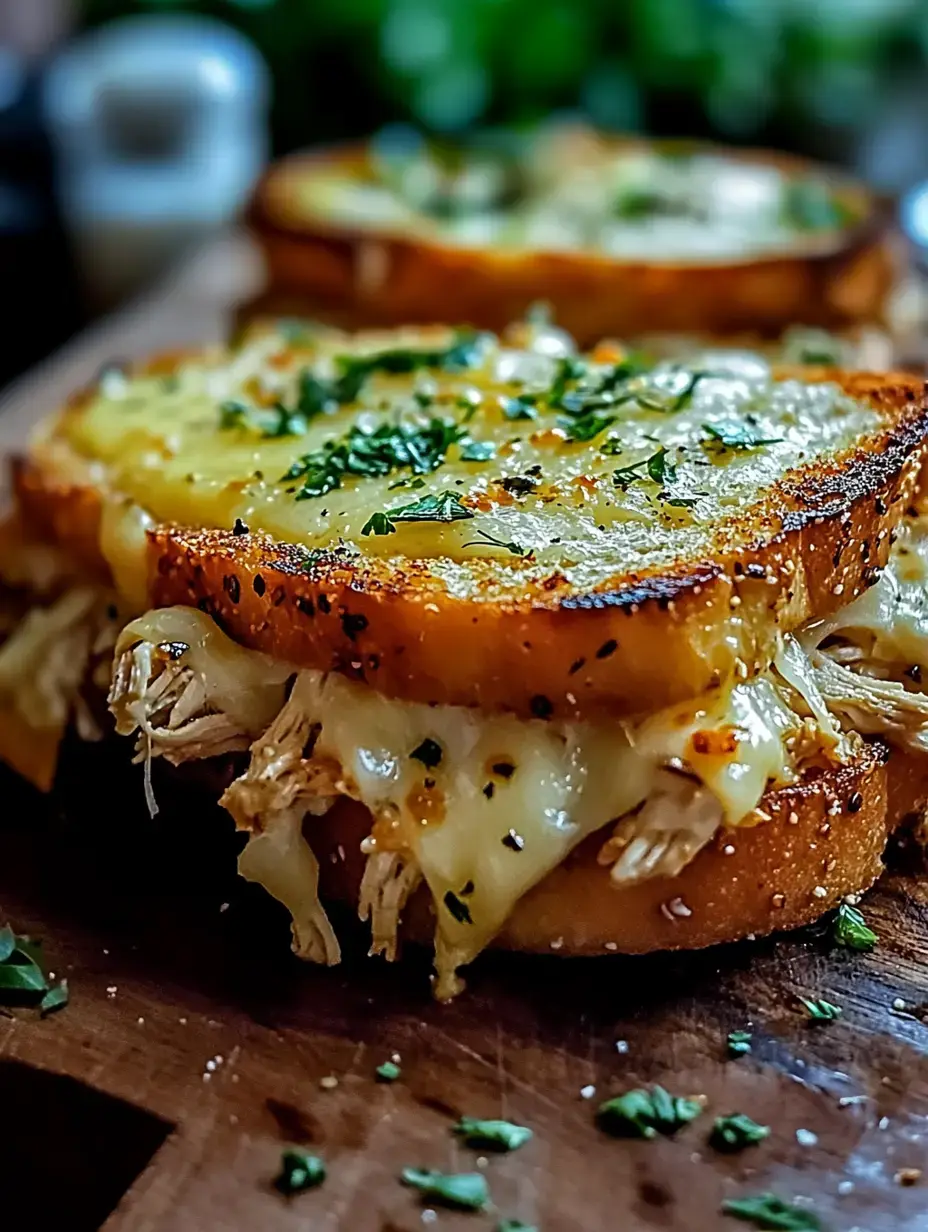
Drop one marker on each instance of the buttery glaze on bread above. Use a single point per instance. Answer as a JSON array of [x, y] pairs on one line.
[[387, 276], [524, 637]]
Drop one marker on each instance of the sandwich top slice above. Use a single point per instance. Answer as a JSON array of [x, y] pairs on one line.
[[528, 610]]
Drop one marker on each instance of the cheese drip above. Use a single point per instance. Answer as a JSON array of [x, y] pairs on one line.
[[483, 806]]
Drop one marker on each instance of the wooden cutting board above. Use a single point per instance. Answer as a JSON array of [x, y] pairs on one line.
[[195, 1047]]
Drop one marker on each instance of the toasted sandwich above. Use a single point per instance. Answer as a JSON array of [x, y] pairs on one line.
[[513, 645], [623, 236]]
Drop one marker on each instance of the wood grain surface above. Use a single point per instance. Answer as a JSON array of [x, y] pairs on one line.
[[198, 1045]]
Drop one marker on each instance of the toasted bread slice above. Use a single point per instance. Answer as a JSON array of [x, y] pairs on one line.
[[705, 514], [327, 249], [788, 871]]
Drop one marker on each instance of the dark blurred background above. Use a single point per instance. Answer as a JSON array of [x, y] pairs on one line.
[[844, 80]]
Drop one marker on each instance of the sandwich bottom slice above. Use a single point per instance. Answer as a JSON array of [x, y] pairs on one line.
[[755, 807]]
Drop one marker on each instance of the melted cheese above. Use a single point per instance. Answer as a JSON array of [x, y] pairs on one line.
[[634, 203], [548, 784], [158, 443]]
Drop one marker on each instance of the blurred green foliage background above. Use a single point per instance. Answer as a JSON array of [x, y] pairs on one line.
[[808, 74]]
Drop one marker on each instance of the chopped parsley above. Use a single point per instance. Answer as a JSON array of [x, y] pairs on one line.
[[465, 351], [458, 909], [645, 1114], [587, 425], [477, 451], [365, 453], [739, 1043], [519, 408], [389, 1071], [429, 752], [734, 436], [850, 930], [492, 1135], [659, 468], [735, 1132], [569, 368], [298, 1171], [811, 205], [485, 537], [821, 1011], [767, 1211], [270, 422], [22, 975], [445, 507], [463, 1191], [515, 1225]]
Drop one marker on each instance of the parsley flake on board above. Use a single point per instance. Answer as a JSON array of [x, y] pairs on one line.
[[389, 1071], [850, 930], [767, 1211], [492, 1135], [821, 1011], [463, 1191], [298, 1171], [735, 1132], [429, 752], [739, 437], [640, 1113], [739, 1043], [369, 453], [22, 977]]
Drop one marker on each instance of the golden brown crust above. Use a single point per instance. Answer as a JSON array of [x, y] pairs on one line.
[[368, 277], [824, 840], [812, 543]]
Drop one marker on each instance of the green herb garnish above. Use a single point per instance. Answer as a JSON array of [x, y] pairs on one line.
[[445, 507], [519, 408], [485, 537], [55, 999], [22, 975], [735, 1132], [464, 1191], [645, 1114], [735, 436], [658, 468], [850, 930], [465, 352], [429, 752], [586, 426], [767, 1211], [515, 1225], [477, 451], [389, 447], [810, 205], [298, 1171], [569, 368], [739, 1043], [821, 1011], [492, 1135], [389, 1071]]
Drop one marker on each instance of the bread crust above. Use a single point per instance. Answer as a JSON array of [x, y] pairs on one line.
[[379, 277], [824, 840], [814, 541]]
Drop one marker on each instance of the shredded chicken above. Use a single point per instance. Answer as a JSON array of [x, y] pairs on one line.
[[871, 705], [270, 800], [165, 701], [661, 837], [46, 658], [390, 879]]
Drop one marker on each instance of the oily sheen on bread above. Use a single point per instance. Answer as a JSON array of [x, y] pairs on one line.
[[640, 638]]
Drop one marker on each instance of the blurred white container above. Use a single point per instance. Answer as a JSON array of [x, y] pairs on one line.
[[159, 131]]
